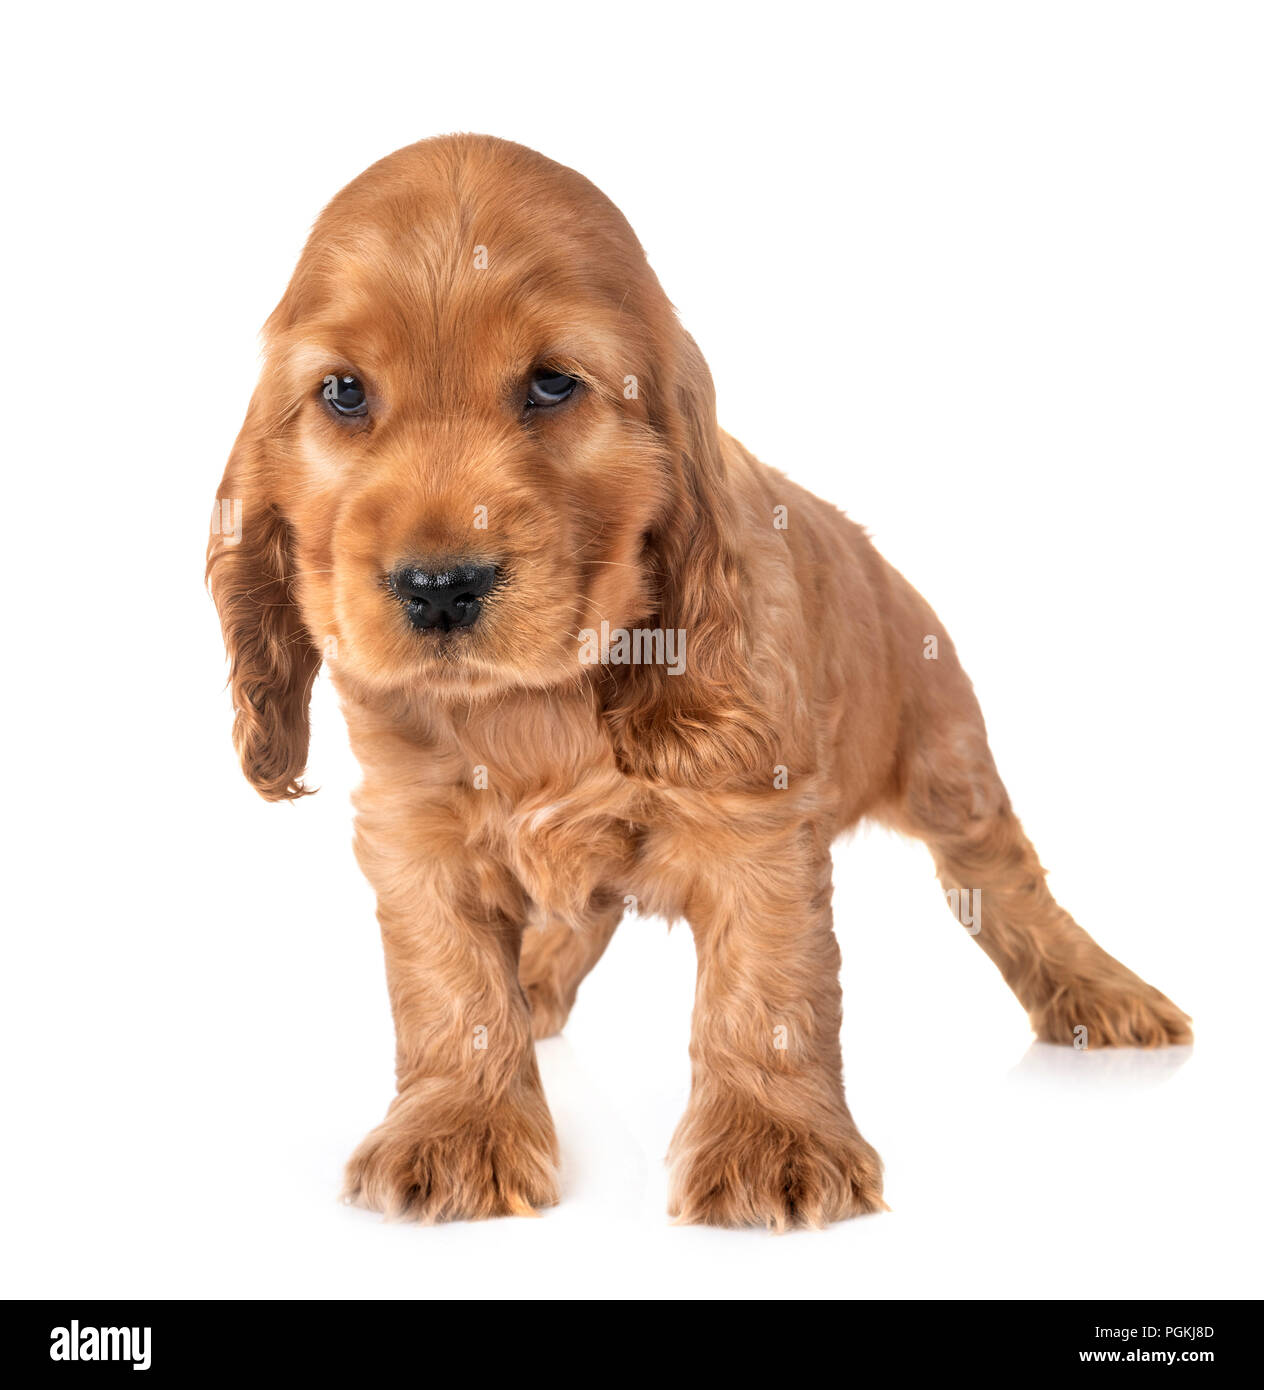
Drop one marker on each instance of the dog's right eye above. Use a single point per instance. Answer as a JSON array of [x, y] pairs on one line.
[[345, 394], [548, 387]]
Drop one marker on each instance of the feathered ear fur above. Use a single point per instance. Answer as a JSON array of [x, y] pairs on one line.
[[272, 661], [703, 727]]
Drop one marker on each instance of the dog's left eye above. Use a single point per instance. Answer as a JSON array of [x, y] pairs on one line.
[[345, 394], [548, 387]]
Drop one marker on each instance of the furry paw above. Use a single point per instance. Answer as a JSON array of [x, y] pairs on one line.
[[501, 1163], [766, 1173], [1114, 1011]]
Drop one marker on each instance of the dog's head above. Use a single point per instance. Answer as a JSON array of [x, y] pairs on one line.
[[480, 432]]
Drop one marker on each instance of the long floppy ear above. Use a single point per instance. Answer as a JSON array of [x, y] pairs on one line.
[[703, 725], [272, 661]]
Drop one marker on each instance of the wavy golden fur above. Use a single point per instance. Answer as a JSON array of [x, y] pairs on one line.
[[515, 794]]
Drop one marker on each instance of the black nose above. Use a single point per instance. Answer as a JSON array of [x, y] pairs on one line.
[[445, 598]]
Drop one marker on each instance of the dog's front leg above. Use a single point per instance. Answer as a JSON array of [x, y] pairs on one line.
[[469, 1133], [767, 1138]]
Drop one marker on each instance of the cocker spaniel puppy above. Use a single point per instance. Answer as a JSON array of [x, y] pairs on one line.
[[593, 653]]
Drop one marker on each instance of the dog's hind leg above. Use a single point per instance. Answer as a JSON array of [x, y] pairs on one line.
[[555, 958], [948, 793]]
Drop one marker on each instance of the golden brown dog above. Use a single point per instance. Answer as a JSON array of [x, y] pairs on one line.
[[588, 647]]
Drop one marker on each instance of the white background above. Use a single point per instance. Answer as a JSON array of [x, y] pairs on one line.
[[987, 275]]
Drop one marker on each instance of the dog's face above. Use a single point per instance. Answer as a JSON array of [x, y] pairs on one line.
[[464, 364], [480, 430]]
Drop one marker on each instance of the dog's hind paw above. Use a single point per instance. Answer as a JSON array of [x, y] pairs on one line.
[[1120, 1011]]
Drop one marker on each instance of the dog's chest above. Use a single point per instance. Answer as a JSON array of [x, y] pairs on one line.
[[573, 828], [600, 840], [572, 840], [552, 802]]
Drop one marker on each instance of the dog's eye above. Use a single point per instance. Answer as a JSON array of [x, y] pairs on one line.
[[548, 387], [345, 394]]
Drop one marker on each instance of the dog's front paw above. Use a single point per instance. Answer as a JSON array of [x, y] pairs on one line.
[[733, 1171], [500, 1163], [1111, 1011]]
